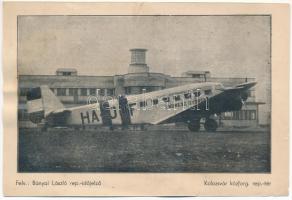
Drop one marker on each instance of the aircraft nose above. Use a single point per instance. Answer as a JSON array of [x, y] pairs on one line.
[[251, 84], [247, 85]]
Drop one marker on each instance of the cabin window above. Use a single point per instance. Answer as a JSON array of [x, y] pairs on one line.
[[197, 93], [208, 92], [177, 98], [142, 104], [187, 95], [155, 101], [165, 99]]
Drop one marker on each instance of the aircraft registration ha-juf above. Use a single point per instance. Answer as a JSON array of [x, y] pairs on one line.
[[188, 103]]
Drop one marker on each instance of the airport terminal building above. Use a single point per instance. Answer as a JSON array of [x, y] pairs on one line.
[[74, 89]]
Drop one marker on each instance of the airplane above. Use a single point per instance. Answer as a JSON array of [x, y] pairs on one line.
[[188, 103]]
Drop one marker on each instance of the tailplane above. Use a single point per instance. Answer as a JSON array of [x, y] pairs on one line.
[[41, 101]]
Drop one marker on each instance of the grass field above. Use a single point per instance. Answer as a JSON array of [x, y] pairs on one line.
[[172, 150]]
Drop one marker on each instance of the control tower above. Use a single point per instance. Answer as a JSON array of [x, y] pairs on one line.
[[138, 61]]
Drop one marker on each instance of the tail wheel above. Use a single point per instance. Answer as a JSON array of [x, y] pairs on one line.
[[194, 126], [211, 125]]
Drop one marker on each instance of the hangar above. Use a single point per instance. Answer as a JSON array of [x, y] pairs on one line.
[[74, 89]]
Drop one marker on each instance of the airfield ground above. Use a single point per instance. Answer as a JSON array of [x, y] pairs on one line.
[[165, 150]]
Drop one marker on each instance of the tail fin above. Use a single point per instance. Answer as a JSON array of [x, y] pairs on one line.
[[40, 102]]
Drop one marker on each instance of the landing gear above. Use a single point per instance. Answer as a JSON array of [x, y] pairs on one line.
[[211, 125], [194, 125]]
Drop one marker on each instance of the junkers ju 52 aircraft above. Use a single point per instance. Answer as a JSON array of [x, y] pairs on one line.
[[188, 103]]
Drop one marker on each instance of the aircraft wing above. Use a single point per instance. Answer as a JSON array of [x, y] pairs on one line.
[[242, 86], [216, 100]]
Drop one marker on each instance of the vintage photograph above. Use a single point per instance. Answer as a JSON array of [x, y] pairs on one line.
[[144, 93]]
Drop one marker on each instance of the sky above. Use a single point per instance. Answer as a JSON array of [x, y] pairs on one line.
[[227, 46]]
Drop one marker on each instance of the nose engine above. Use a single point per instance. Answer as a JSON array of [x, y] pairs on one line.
[[235, 103]]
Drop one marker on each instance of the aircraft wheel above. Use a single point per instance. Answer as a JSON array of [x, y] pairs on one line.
[[194, 126], [211, 125]]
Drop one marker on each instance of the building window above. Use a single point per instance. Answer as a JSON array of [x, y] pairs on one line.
[[110, 92], [61, 91], [23, 91], [22, 115], [196, 75], [92, 91], [155, 101], [73, 91], [251, 115], [228, 115], [128, 90], [67, 73], [101, 92], [240, 115], [83, 92]]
